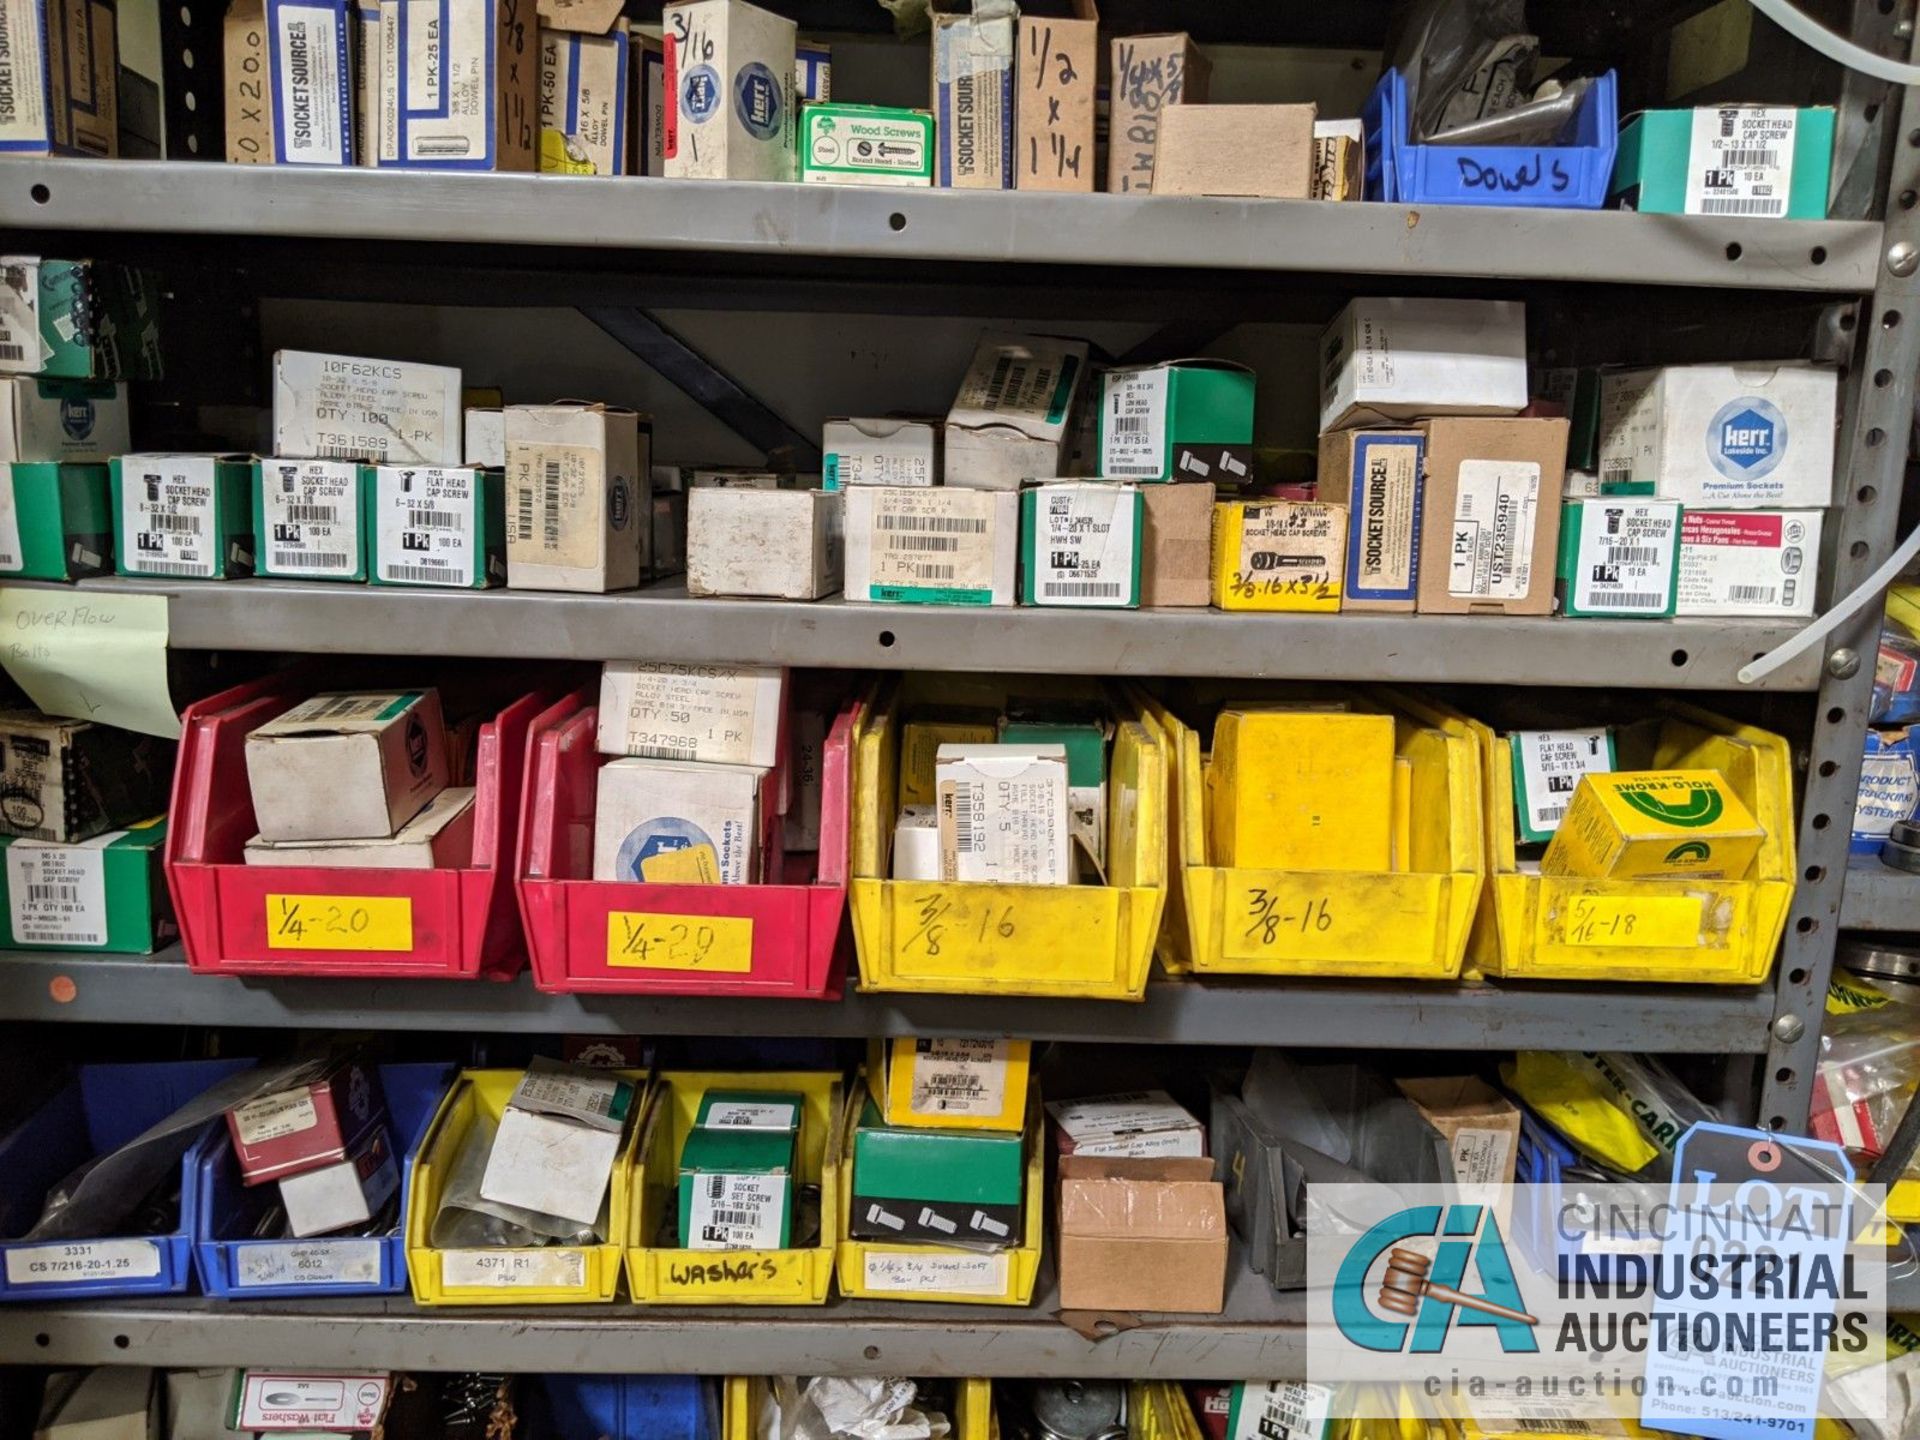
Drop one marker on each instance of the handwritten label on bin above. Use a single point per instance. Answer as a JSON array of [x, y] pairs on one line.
[[710, 944], [963, 928], [83, 1260], [339, 922], [1278, 916], [319, 1262], [1647, 922], [749, 1272], [513, 1269], [934, 1273]]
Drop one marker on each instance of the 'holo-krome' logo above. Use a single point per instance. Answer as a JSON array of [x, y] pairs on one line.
[[1701, 806], [1424, 1293]]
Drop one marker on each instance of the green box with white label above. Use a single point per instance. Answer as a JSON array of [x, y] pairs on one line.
[[436, 525], [78, 320], [865, 145], [1547, 766], [108, 893], [1732, 160], [1183, 420], [56, 521], [184, 517], [736, 1188], [1080, 545], [1619, 557], [309, 517]]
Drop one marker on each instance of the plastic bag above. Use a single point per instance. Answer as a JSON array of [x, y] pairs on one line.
[[1625, 1112], [468, 1221], [1868, 1072], [850, 1408], [1463, 60]]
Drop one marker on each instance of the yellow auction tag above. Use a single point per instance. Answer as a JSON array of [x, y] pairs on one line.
[[1646, 922], [339, 922], [717, 944]]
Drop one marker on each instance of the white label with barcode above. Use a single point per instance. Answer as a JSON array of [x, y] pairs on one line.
[[958, 1077], [23, 114], [310, 1262], [1551, 764], [892, 1272], [1086, 544], [1623, 561], [736, 1212], [310, 515], [1740, 161], [1281, 1410], [57, 894], [513, 1269], [1133, 424], [750, 1115], [11, 557], [167, 515], [422, 532], [935, 538], [1495, 506], [555, 505]]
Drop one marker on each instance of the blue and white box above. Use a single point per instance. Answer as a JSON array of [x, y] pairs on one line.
[[59, 62], [973, 93], [729, 66], [459, 85], [586, 111], [310, 50]]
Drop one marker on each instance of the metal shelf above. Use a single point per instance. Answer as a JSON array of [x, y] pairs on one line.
[[159, 990], [731, 223], [663, 622], [1878, 897]]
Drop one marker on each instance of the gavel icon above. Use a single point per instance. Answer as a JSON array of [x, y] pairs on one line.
[[1405, 1283]]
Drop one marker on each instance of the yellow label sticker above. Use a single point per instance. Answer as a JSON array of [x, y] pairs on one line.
[[715, 944], [558, 157], [339, 922], [695, 865], [1646, 922]]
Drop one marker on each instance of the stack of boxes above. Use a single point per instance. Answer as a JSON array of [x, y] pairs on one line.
[[327, 1143], [737, 1171]]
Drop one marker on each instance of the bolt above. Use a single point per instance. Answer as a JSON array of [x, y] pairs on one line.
[[1903, 257], [1789, 1028], [1903, 29], [1843, 663]]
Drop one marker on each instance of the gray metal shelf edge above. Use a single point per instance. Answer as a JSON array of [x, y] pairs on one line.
[[745, 220], [662, 622], [159, 990], [1879, 897]]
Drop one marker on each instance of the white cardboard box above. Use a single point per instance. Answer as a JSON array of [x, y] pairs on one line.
[[779, 544], [916, 844], [1748, 562], [309, 518], [973, 101], [932, 545], [347, 1192], [880, 452], [347, 766], [1399, 359], [274, 1401], [486, 439], [65, 420], [1003, 814], [340, 407], [651, 808], [550, 1163], [459, 85], [1144, 1124], [1011, 418], [727, 714], [1081, 545], [440, 836], [730, 65], [1722, 436], [579, 495]]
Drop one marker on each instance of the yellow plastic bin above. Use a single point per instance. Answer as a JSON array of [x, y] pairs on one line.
[[874, 1270], [1093, 941], [1407, 924], [657, 1274], [972, 1404], [1160, 1410], [549, 1275], [1699, 932]]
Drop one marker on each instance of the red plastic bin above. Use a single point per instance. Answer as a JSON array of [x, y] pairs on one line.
[[621, 937], [459, 922]]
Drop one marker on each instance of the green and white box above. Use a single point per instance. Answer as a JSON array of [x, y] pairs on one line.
[[1768, 161], [931, 546], [83, 421], [1081, 545], [186, 517], [309, 518], [865, 145], [437, 525], [78, 319], [1547, 766], [1262, 1409], [56, 521], [107, 893], [1619, 557], [1184, 420]]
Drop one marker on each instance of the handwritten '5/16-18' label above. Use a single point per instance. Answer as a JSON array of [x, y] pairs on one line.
[[339, 922], [712, 944], [320, 1262], [1654, 922], [513, 1269], [84, 1260]]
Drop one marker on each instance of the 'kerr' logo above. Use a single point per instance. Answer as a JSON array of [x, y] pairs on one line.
[[1423, 1291], [1747, 439]]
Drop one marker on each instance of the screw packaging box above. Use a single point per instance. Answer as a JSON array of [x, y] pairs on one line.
[[1010, 421], [1280, 1407], [485, 443], [306, 1126], [951, 1083], [187, 516], [729, 74], [916, 844], [1751, 436], [736, 1188], [558, 1139], [843, 144], [1619, 557], [1141, 1124], [1378, 477], [307, 516], [973, 50], [437, 525], [1258, 151], [1301, 790], [347, 766], [1339, 159], [1759, 160], [459, 86], [579, 492], [350, 1191], [108, 1403], [343, 407], [936, 546], [77, 421], [272, 1401], [1384, 360], [62, 65], [439, 837], [1480, 1125], [68, 780], [778, 544], [586, 102], [1176, 547], [812, 71], [1490, 526], [1748, 562], [941, 1186], [78, 319], [1279, 555], [806, 759], [678, 821], [1183, 420], [1056, 64], [1081, 545], [1003, 814], [1638, 824], [1086, 747], [1142, 1235], [108, 893], [729, 714], [880, 452], [1547, 766], [920, 742], [56, 521], [1150, 73], [292, 82]]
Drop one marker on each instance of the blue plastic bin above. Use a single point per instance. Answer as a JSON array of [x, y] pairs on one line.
[[1560, 177], [100, 1109], [226, 1210], [1542, 1159], [631, 1407]]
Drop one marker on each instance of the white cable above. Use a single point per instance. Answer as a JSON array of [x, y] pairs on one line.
[[1790, 18], [1842, 612]]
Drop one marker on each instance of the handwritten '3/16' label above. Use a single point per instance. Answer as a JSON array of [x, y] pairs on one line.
[[339, 922], [712, 944]]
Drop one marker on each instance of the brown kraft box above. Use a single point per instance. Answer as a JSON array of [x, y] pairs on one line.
[[1142, 1235], [1150, 72], [1492, 515], [1056, 60], [1176, 544], [1253, 151]]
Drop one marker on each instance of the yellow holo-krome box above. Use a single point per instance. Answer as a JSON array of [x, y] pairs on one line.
[[1685, 824]]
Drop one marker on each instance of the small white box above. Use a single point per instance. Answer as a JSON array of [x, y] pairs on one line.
[[340, 407], [932, 545], [64, 420], [347, 1192], [916, 844], [347, 766], [558, 1139], [1142, 1125], [586, 101], [579, 498], [1385, 359], [1727, 437], [1748, 562], [732, 110], [486, 439], [728, 714], [649, 812], [776, 544], [880, 452], [1003, 814], [1011, 419], [439, 836]]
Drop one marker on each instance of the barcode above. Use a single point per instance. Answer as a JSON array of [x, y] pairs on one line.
[[62, 894], [170, 567], [1749, 157], [431, 574], [339, 452], [1129, 424], [1008, 379], [1552, 813], [1715, 205], [313, 514], [716, 1186], [13, 352], [1565, 1425], [939, 543], [1615, 474], [1082, 589], [746, 1219], [932, 524], [441, 145], [1631, 555], [930, 571], [1750, 594], [523, 514], [328, 707], [173, 524], [964, 831], [550, 496], [418, 519], [309, 559], [1632, 600]]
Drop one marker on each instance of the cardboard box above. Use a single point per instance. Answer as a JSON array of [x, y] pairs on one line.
[[1748, 562], [71, 421], [1056, 64], [678, 821], [62, 63], [880, 452], [1150, 73], [1081, 543], [1176, 547], [1003, 814], [669, 539], [1279, 555], [346, 1193], [460, 87], [581, 17], [1729, 160], [290, 67], [1480, 1125], [951, 1083], [920, 742], [1888, 790], [1182, 420], [344, 766], [806, 759], [1575, 392], [780, 544], [1685, 824], [812, 71], [1619, 557], [369, 76], [186, 516], [586, 102], [578, 490], [437, 525], [1301, 790], [273, 1401], [729, 68], [935, 546], [1010, 421], [740, 478], [111, 1402], [1140, 1124], [653, 105], [1142, 1235], [942, 1186], [243, 53], [339, 407], [558, 1139], [1728, 437], [56, 521], [1491, 526], [1339, 159], [108, 893], [78, 319], [485, 443], [439, 837], [1086, 747], [916, 843], [844, 144], [306, 1126], [736, 1189], [972, 50], [65, 780], [1547, 766], [1259, 151], [725, 713], [308, 517], [1378, 477], [1384, 360]]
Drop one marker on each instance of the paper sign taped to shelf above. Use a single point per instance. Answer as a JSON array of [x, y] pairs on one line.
[[1647, 922], [91, 656], [339, 922], [711, 944], [513, 1269], [898, 1273], [318, 1262], [83, 1260]]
